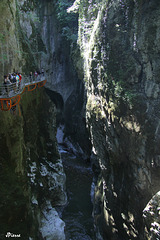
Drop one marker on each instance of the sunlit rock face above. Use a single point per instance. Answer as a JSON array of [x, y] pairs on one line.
[[10, 52], [151, 218], [119, 43]]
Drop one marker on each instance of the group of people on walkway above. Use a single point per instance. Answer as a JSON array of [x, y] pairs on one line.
[[14, 78], [12, 81], [34, 76]]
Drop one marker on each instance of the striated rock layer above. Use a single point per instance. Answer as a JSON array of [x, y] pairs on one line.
[[119, 42]]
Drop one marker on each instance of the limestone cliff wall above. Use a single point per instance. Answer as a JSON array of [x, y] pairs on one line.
[[60, 70], [32, 178], [20, 43], [10, 54], [31, 172], [119, 42], [42, 46]]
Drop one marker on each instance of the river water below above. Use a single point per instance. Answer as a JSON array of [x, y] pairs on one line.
[[77, 214]]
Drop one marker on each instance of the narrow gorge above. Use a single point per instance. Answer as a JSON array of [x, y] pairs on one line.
[[80, 156]]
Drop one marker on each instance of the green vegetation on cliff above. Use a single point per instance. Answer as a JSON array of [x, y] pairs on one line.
[[68, 21]]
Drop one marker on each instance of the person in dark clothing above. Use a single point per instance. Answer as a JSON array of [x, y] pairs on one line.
[[42, 72], [10, 76], [14, 81], [6, 82], [31, 77]]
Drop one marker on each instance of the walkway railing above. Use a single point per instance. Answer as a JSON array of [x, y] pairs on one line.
[[10, 94], [13, 89]]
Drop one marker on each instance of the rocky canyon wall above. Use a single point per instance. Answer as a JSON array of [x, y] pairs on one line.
[[31, 172], [10, 54], [119, 42], [119, 45], [60, 70], [32, 177]]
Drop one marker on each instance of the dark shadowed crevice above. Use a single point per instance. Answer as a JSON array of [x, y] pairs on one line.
[[56, 98], [58, 101]]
